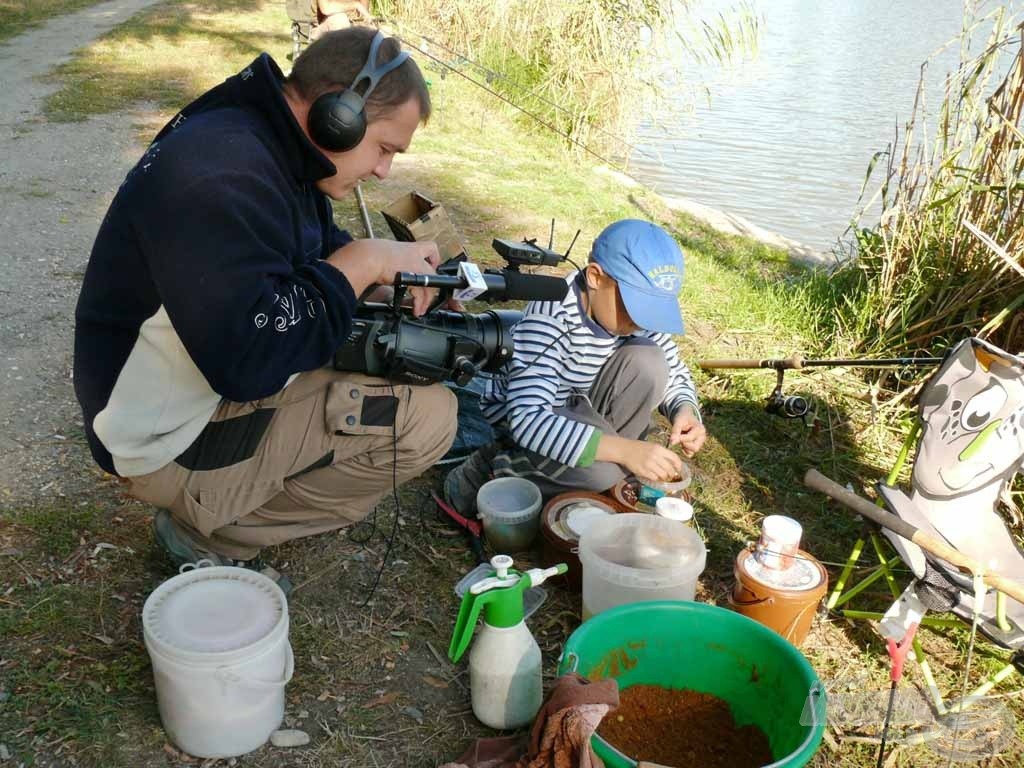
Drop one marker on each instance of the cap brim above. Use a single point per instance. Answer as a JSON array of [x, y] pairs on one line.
[[652, 312]]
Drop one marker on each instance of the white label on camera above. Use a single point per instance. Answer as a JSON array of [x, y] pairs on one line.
[[477, 285]]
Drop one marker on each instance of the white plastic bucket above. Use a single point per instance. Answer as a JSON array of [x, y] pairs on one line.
[[634, 557], [218, 641]]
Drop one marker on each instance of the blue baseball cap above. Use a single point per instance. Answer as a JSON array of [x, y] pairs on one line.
[[647, 263]]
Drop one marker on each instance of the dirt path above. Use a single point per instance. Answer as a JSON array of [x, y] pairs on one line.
[[56, 180]]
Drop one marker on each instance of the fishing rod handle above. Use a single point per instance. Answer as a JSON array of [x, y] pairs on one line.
[[793, 362], [819, 482]]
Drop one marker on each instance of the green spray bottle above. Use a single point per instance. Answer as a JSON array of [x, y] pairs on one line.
[[505, 663]]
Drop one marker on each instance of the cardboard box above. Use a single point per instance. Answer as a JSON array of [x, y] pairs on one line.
[[415, 218]]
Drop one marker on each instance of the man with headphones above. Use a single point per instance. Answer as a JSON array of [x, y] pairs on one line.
[[218, 289]]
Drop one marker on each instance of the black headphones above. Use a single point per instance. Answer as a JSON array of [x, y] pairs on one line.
[[337, 119]]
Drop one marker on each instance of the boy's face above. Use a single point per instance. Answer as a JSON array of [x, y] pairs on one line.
[[605, 302]]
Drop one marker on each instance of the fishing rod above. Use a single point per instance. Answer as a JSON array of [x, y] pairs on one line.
[[491, 75], [796, 406], [511, 103]]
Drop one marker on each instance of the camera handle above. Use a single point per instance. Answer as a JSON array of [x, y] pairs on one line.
[[450, 268]]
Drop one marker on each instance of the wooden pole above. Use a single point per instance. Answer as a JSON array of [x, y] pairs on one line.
[[814, 479]]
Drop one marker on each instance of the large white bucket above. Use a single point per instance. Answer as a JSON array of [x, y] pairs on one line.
[[218, 641]]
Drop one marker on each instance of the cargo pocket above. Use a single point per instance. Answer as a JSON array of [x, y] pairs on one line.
[[356, 408], [218, 507]]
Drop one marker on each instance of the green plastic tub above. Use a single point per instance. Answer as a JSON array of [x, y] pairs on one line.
[[677, 644]]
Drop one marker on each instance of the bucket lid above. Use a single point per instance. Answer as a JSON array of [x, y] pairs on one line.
[[568, 515], [803, 574], [214, 610], [672, 508]]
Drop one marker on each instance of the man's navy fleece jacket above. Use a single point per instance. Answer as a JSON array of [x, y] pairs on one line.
[[207, 279]]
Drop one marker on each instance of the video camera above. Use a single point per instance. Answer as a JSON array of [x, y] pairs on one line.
[[442, 345]]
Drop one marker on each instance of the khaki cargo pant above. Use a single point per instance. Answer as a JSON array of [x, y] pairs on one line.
[[315, 457]]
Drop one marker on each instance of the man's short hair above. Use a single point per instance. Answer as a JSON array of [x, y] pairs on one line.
[[332, 63]]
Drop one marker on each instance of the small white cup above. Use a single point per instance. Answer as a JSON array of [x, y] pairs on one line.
[[672, 508], [779, 542]]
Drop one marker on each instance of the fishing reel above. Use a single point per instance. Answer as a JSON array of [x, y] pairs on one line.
[[787, 406]]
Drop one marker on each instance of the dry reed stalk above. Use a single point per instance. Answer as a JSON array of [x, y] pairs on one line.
[[926, 277]]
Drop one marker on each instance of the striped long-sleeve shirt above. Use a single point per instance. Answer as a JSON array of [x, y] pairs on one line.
[[559, 351]]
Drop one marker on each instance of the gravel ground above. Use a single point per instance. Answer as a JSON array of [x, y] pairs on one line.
[[56, 181]]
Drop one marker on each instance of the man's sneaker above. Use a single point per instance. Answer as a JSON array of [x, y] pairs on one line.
[[271, 573], [462, 483], [179, 546], [182, 549]]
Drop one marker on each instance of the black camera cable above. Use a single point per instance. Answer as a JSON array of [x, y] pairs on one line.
[[373, 515]]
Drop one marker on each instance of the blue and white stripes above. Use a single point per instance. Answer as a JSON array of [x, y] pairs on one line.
[[560, 351]]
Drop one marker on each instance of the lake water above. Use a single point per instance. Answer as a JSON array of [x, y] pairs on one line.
[[787, 136]]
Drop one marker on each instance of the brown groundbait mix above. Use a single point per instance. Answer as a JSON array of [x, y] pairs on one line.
[[683, 729]]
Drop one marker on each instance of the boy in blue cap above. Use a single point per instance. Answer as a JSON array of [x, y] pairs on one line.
[[575, 401]]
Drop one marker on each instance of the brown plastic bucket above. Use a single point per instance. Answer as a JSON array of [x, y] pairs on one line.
[[788, 611], [560, 542]]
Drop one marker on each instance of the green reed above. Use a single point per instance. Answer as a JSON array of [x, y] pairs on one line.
[[586, 68]]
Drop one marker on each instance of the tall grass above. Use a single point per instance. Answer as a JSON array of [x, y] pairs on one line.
[[586, 68], [947, 257]]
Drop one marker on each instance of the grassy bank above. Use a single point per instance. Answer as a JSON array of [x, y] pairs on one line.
[[372, 686]]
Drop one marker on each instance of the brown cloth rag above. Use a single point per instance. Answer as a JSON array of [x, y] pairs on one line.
[[560, 736]]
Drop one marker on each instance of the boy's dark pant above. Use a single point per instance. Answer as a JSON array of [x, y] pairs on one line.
[[630, 385]]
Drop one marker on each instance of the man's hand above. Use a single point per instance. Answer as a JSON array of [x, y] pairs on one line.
[[366, 262], [687, 431], [649, 460]]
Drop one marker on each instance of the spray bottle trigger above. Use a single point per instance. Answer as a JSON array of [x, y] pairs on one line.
[[493, 582], [469, 612]]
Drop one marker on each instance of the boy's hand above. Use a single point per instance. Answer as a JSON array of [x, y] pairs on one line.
[[687, 431], [650, 460]]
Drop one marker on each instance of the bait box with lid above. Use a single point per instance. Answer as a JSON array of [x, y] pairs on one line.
[[563, 521], [649, 491]]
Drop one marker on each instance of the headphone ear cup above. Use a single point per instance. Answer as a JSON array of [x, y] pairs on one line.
[[337, 120]]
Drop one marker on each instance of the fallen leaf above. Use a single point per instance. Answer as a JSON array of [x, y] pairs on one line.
[[387, 698]]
